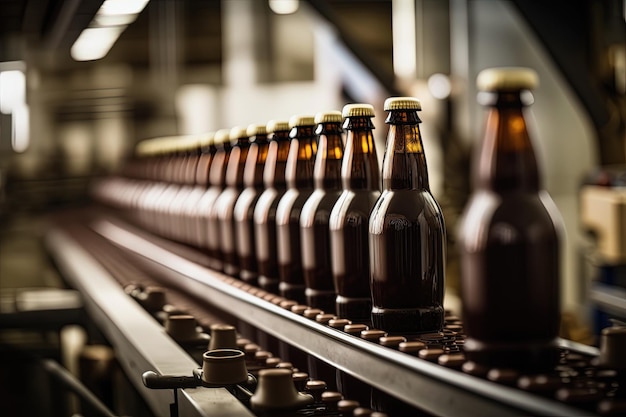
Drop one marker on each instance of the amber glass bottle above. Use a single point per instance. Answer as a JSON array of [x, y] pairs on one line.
[[207, 151], [265, 209], [244, 208], [189, 149], [406, 232], [315, 216], [208, 224], [509, 238], [224, 206], [349, 218], [299, 177]]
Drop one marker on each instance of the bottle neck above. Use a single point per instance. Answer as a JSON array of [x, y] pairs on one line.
[[255, 163], [327, 170], [217, 173], [359, 170], [404, 165], [300, 162], [506, 160], [277, 153], [236, 164]]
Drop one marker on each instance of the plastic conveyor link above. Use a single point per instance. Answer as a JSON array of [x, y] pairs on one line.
[[428, 386]]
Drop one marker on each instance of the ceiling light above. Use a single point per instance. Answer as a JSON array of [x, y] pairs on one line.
[[95, 43], [284, 6], [12, 90], [115, 7]]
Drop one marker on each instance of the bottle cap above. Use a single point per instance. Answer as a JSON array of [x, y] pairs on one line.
[[254, 130], [358, 110], [221, 136], [507, 78], [402, 103], [206, 139], [300, 120], [328, 117], [238, 132], [277, 126]]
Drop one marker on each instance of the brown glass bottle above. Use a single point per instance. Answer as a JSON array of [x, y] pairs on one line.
[[244, 208], [207, 152], [299, 177], [315, 215], [509, 239], [225, 204], [208, 224], [349, 219], [406, 232], [186, 178], [265, 209]]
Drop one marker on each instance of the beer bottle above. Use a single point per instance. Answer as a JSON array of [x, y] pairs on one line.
[[349, 218], [299, 177], [225, 204], [314, 235], [244, 208], [207, 152], [189, 148], [509, 238], [208, 224], [406, 232], [265, 210], [173, 159]]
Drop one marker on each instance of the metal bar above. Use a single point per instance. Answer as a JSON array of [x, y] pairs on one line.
[[430, 387], [76, 386], [140, 342]]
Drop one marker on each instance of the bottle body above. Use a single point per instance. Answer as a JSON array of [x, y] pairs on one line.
[[349, 219], [299, 178], [246, 202], [315, 216], [510, 251], [407, 244], [265, 241], [509, 241], [406, 233]]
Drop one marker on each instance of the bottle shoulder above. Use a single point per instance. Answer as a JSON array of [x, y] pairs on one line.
[[509, 218], [406, 209]]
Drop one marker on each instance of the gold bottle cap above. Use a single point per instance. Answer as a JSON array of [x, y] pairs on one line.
[[188, 143], [206, 139], [238, 132], [255, 129], [358, 110], [328, 117], [277, 126], [507, 78], [300, 120], [221, 136], [145, 148], [402, 103]]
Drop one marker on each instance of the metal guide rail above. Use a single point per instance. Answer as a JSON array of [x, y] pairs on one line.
[[139, 341], [428, 386]]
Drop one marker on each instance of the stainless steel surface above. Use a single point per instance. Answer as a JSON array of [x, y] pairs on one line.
[[140, 342], [433, 388]]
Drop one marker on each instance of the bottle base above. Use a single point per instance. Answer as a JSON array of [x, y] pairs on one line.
[[358, 310], [408, 321], [536, 356], [324, 300]]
